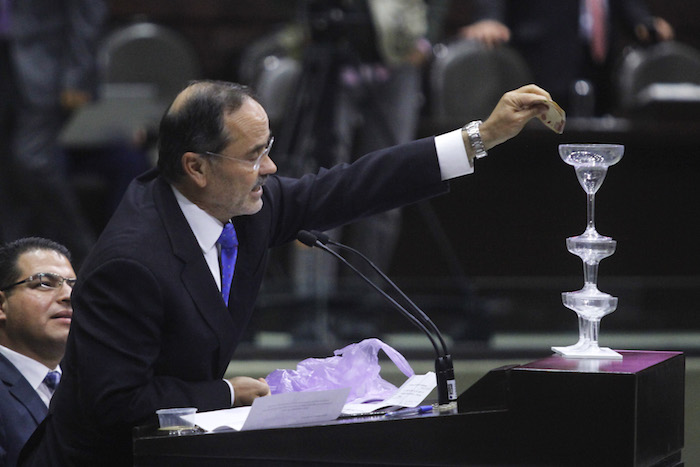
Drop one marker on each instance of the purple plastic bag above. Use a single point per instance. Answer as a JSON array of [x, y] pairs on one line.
[[355, 366]]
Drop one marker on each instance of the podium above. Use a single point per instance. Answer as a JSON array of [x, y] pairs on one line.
[[551, 412]]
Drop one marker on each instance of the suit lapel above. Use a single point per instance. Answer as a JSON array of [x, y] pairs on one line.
[[196, 276], [21, 390]]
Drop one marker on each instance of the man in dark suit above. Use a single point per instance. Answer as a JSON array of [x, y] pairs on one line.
[[557, 39], [47, 70], [152, 327], [35, 314]]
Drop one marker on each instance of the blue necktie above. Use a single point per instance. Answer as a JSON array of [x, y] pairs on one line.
[[51, 380], [229, 251]]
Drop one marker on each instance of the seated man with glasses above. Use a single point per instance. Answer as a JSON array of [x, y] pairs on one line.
[[36, 281]]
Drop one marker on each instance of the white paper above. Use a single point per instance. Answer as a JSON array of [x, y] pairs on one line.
[[292, 408], [410, 394], [224, 419]]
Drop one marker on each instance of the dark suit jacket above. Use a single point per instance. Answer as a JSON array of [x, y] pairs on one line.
[[546, 33], [21, 411], [150, 329]]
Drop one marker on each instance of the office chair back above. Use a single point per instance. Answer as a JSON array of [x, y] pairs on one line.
[[276, 83], [146, 58], [467, 79], [663, 63]]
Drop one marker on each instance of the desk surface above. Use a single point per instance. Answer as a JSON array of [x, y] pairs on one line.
[[633, 361]]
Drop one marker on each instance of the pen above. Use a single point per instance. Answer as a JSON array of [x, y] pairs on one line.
[[410, 411]]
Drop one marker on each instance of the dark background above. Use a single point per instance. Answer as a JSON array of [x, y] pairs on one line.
[[506, 226], [221, 29]]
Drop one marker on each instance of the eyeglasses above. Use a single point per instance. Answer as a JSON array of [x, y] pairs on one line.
[[254, 164], [44, 281]]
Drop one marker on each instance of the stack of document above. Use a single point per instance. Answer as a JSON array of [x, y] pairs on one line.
[[303, 408]]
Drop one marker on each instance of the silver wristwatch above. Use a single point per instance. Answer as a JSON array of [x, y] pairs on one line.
[[474, 137]]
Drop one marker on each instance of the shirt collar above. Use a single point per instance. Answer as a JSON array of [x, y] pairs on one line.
[[34, 372], [206, 228]]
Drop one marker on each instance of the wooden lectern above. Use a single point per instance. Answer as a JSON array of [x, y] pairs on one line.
[[551, 412]]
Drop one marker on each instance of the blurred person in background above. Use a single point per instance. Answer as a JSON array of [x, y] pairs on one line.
[[566, 41], [360, 90], [379, 99], [47, 70]]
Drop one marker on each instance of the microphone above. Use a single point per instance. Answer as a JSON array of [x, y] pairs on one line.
[[325, 239], [444, 369], [310, 240]]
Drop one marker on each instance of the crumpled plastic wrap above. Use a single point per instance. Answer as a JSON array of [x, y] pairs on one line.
[[355, 366]]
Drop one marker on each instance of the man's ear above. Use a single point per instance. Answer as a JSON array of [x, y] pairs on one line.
[[196, 168]]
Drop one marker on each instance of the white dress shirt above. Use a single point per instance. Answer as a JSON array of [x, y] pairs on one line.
[[452, 155]]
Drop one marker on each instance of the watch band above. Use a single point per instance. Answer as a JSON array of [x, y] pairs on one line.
[[474, 138]]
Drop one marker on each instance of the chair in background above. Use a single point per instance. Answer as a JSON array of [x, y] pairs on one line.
[[148, 54], [275, 84], [268, 65], [467, 79], [141, 68], [663, 76]]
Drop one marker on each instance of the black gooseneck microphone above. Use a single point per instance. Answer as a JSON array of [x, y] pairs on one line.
[[311, 240], [444, 369], [325, 239]]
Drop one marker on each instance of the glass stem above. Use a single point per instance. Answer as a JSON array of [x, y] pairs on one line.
[[581, 329], [590, 211], [590, 274], [593, 330]]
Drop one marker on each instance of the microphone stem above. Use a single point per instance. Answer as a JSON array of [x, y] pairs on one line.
[[428, 322], [444, 369], [393, 302]]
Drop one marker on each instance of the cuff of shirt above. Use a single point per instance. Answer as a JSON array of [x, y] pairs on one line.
[[452, 155], [233, 394]]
